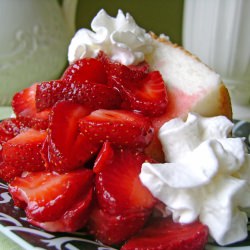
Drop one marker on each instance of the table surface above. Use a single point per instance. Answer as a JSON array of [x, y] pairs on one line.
[[8, 244]]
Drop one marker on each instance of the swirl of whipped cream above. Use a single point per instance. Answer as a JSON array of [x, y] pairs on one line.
[[120, 38], [206, 177]]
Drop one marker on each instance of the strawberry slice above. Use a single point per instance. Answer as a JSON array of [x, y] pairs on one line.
[[141, 90], [124, 204], [24, 106], [23, 151], [85, 70], [115, 69], [118, 187], [9, 128], [147, 96], [114, 229], [65, 148], [121, 127], [104, 158], [94, 95], [73, 219], [47, 196], [8, 172], [166, 234]]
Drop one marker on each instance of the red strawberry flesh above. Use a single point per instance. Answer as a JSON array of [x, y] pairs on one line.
[[147, 96], [115, 69], [65, 148], [121, 127], [48, 195], [85, 70], [141, 90], [24, 106], [9, 128], [93, 95], [104, 158], [23, 151], [165, 234], [73, 219], [118, 187], [8, 172], [114, 229]]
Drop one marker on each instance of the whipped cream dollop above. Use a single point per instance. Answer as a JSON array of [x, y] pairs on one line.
[[206, 175], [120, 38]]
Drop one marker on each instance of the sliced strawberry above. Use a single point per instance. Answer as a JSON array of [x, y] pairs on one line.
[[147, 96], [124, 204], [24, 106], [9, 128], [141, 90], [166, 234], [118, 187], [8, 172], [65, 148], [85, 70], [140, 70], [23, 151], [73, 219], [115, 69], [104, 158], [94, 95], [48, 195], [23, 101], [121, 127], [114, 229]]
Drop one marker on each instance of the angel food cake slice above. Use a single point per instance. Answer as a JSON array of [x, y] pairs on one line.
[[137, 133], [191, 85]]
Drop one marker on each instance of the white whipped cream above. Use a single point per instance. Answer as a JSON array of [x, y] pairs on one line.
[[206, 177], [120, 38]]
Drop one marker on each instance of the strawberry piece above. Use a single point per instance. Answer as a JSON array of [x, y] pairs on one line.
[[115, 69], [166, 234], [121, 127], [8, 172], [85, 70], [65, 148], [147, 96], [24, 106], [23, 151], [124, 204], [104, 158], [94, 95], [73, 219], [140, 70], [9, 128], [47, 196], [114, 229], [118, 187], [141, 90]]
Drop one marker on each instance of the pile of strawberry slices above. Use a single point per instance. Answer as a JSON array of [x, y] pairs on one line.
[[73, 154]]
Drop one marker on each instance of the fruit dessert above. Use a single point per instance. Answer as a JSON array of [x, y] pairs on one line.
[[132, 144]]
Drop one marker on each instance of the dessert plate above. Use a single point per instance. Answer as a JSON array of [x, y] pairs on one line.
[[14, 225]]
